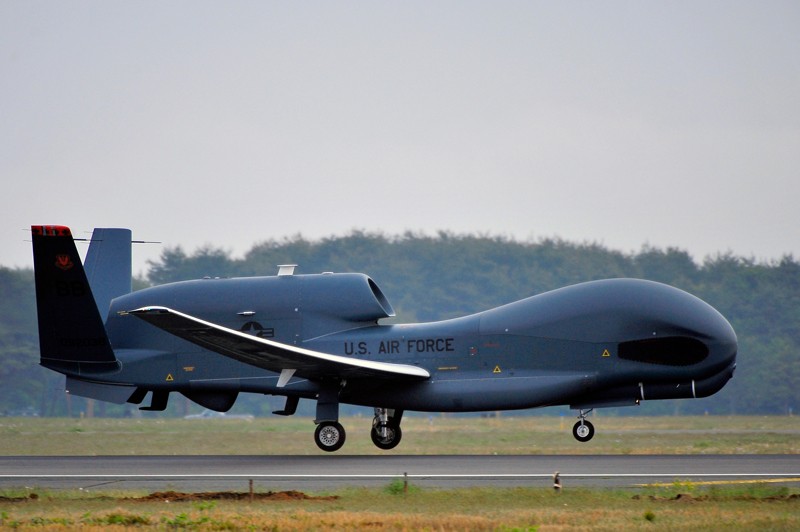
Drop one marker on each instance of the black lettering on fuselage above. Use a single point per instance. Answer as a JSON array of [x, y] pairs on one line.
[[352, 348], [389, 347], [430, 345], [394, 347]]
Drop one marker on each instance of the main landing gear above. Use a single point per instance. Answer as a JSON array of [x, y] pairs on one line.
[[329, 436], [583, 430], [386, 433]]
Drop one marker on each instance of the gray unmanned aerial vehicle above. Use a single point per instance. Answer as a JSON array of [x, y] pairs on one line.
[[597, 344]]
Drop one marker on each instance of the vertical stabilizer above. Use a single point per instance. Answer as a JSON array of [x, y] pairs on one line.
[[72, 338], [108, 266]]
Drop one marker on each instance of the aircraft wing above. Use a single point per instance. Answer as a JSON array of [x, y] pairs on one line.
[[269, 355]]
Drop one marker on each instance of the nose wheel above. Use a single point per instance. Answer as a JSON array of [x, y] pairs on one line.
[[583, 429]]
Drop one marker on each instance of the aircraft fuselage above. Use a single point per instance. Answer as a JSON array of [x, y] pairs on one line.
[[562, 347]]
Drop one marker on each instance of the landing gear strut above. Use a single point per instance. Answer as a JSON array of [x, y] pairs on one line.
[[386, 433], [583, 430], [329, 436]]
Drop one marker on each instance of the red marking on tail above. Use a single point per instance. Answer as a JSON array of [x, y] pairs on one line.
[[63, 262], [51, 230]]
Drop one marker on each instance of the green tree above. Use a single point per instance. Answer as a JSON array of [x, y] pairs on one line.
[[432, 277], [19, 343]]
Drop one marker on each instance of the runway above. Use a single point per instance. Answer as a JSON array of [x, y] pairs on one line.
[[329, 472]]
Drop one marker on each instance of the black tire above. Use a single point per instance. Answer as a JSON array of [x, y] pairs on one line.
[[329, 436], [583, 431], [393, 436]]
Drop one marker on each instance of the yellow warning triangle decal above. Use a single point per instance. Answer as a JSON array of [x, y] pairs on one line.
[[497, 369], [169, 377], [606, 353]]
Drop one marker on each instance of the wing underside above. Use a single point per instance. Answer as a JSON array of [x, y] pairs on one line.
[[269, 355]]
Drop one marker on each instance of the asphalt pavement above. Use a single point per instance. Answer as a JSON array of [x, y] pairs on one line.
[[329, 472]]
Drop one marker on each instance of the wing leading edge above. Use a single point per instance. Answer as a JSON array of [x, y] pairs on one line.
[[269, 355]]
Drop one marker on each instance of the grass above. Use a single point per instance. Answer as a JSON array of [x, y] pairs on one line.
[[671, 506], [421, 435], [678, 507]]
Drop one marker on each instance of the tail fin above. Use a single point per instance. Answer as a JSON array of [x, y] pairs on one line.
[[108, 266], [72, 338]]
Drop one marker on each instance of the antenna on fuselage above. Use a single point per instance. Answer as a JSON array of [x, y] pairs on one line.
[[286, 269]]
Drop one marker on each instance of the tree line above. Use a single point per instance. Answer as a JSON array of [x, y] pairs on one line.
[[447, 275]]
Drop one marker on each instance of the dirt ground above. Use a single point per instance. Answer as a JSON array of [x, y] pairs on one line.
[[175, 496]]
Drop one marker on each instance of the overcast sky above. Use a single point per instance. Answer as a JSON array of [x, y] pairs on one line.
[[228, 123]]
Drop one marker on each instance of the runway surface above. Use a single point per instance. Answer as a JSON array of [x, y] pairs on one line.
[[328, 472]]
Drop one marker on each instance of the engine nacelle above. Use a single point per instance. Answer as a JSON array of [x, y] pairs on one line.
[[304, 306]]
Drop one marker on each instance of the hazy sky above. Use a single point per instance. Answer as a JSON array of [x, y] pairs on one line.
[[227, 123]]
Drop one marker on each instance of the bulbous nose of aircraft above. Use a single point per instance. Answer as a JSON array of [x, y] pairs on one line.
[[708, 325], [726, 339], [722, 343], [719, 339], [685, 315]]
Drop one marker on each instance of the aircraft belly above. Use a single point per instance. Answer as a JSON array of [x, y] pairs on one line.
[[477, 392]]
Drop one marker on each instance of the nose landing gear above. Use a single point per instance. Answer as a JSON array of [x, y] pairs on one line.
[[583, 430]]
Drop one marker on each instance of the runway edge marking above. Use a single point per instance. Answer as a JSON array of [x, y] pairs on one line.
[[780, 477]]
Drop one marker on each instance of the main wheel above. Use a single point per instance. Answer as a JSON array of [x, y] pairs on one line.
[[583, 431], [329, 436], [393, 436]]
